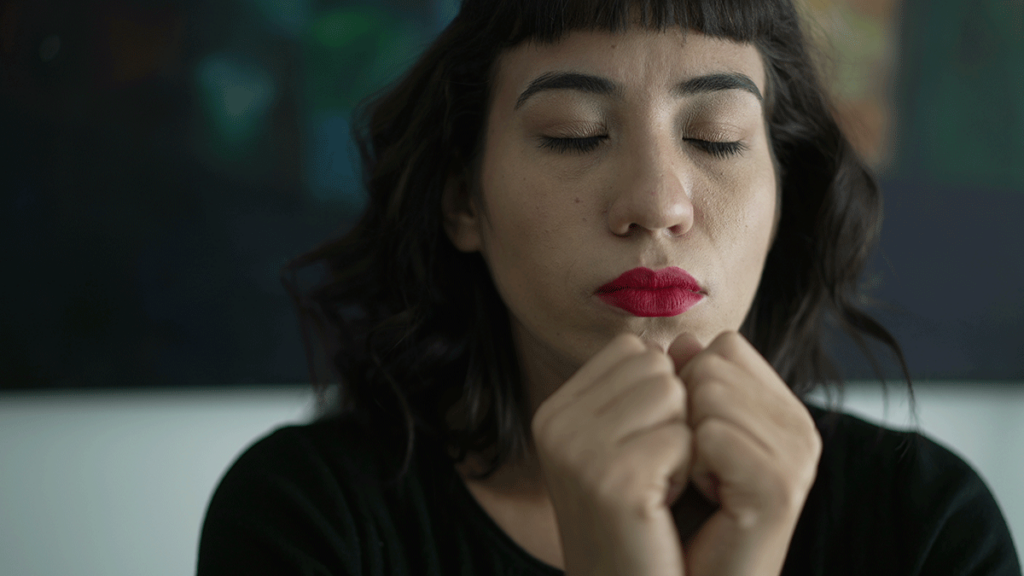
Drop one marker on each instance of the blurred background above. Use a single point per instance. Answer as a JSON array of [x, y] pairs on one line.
[[161, 160]]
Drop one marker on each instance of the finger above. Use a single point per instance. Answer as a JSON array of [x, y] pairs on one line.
[[757, 495], [660, 455], [620, 348], [750, 493], [729, 466], [683, 349], [717, 388], [649, 403], [758, 400], [618, 381], [733, 346]]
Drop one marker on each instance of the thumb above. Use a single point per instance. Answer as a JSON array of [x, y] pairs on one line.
[[683, 349]]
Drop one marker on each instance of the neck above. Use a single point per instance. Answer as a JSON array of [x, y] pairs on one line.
[[520, 478]]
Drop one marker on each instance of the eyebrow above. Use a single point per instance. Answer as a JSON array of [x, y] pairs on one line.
[[716, 82], [602, 86], [568, 81]]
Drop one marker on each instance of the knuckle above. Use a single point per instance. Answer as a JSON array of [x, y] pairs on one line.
[[632, 481], [775, 489], [711, 434], [628, 342], [782, 495], [807, 466], [627, 488], [661, 383], [669, 390], [711, 392], [674, 438], [728, 343], [806, 478], [807, 437], [662, 361], [706, 366], [715, 362], [815, 441], [696, 370], [656, 361]]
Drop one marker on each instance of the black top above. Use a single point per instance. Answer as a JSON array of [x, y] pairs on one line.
[[317, 500]]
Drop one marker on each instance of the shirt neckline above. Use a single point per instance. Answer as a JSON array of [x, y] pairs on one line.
[[478, 517]]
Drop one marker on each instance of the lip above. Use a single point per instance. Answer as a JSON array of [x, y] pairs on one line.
[[652, 293]]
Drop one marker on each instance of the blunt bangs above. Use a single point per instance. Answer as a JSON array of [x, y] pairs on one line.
[[548, 21], [433, 353]]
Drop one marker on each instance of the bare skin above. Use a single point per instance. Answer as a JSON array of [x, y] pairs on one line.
[[616, 451], [577, 186], [517, 500]]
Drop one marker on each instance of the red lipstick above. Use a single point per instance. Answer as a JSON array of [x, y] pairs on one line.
[[648, 293]]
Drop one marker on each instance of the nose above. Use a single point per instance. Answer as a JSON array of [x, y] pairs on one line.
[[652, 191]]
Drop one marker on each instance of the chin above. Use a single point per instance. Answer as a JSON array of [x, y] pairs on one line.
[[663, 331]]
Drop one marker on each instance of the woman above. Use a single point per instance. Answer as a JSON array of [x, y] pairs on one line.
[[576, 322]]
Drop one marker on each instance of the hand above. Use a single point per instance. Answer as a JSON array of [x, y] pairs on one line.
[[614, 452], [755, 453]]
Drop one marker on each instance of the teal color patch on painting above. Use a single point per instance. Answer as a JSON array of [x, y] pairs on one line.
[[331, 166], [288, 17], [961, 90], [352, 52], [236, 95]]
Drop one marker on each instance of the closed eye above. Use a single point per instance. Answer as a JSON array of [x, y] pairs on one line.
[[575, 145], [717, 149], [583, 145]]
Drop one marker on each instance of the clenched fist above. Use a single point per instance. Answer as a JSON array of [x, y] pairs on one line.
[[755, 452], [626, 434], [614, 448]]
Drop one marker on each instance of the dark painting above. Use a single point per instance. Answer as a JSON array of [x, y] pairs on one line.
[[161, 161]]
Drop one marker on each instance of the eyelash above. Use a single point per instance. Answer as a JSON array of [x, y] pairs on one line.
[[717, 149], [584, 145], [577, 145]]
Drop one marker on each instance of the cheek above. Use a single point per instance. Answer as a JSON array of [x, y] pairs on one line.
[[535, 211], [532, 229], [739, 216]]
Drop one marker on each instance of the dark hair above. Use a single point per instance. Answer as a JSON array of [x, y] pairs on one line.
[[419, 353]]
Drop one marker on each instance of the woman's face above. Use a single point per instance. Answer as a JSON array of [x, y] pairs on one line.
[[607, 152]]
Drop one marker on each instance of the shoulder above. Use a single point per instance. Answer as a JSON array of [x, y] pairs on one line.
[[331, 498], [299, 497], [891, 459], [334, 448], [918, 507], [853, 445]]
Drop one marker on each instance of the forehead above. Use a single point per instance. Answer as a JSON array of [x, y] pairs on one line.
[[637, 58]]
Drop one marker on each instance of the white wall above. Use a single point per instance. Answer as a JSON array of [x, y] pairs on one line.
[[983, 423], [116, 483]]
